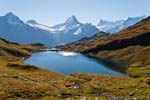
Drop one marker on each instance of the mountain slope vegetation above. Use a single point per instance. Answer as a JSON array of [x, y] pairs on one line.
[[28, 82], [130, 46]]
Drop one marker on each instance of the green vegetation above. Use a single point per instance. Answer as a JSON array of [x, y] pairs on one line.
[[139, 71]]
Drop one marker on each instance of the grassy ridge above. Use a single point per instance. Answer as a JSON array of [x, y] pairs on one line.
[[130, 46], [28, 82]]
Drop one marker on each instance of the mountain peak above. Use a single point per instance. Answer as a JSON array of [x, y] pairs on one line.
[[12, 19], [31, 22], [10, 15], [72, 20]]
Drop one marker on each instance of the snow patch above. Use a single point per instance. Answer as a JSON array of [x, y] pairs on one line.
[[77, 32]]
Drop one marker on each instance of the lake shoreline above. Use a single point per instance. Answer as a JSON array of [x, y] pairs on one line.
[[93, 57]]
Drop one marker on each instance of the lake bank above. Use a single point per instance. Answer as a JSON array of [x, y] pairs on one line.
[[71, 62]]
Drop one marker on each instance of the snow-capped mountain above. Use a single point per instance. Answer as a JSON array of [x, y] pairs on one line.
[[33, 23], [14, 29], [71, 21], [113, 27], [72, 30], [69, 31]]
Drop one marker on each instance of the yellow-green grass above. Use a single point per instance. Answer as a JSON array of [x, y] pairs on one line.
[[139, 71], [28, 82], [134, 54]]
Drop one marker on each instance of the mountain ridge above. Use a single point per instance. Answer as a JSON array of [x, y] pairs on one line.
[[116, 26], [23, 32], [16, 30], [130, 46]]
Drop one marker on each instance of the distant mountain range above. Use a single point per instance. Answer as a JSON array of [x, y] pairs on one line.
[[14, 29], [113, 27], [69, 31]]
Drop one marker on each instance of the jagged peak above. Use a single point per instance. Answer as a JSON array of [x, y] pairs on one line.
[[72, 20], [12, 19]]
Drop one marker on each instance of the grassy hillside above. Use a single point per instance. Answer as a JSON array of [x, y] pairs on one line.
[[19, 81], [130, 46]]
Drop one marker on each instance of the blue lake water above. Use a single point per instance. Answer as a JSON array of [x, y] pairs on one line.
[[70, 62]]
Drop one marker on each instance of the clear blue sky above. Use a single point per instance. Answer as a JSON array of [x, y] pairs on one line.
[[51, 12]]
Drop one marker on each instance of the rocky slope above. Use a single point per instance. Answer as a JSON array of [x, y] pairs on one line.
[[131, 46]]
